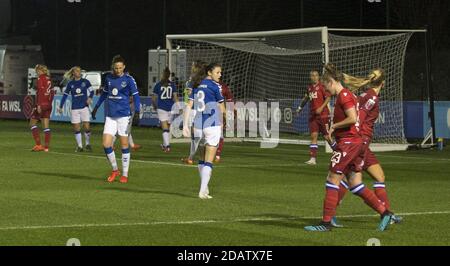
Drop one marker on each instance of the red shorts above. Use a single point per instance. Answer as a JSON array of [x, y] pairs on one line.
[[347, 155], [318, 124], [46, 111], [369, 157], [366, 159]]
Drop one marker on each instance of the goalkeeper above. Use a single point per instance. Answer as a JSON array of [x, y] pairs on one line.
[[319, 113]]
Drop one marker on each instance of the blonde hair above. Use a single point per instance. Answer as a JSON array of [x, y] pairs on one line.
[[374, 79], [69, 74], [42, 68]]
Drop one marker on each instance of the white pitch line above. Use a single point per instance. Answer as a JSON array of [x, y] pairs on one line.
[[219, 166], [132, 160], [379, 154], [239, 220]]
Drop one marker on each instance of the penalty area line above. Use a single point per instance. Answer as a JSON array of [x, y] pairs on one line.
[[132, 160]]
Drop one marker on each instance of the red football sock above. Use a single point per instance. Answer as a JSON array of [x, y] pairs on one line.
[[36, 135], [48, 135], [331, 202], [380, 191], [313, 150], [343, 188], [219, 150], [369, 198]]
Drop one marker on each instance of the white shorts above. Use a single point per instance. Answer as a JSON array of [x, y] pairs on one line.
[[81, 115], [117, 125], [211, 135], [164, 116]]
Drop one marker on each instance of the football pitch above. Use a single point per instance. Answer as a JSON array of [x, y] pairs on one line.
[[261, 196]]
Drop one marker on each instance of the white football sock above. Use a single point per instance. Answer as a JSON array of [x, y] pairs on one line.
[[87, 135], [206, 176], [112, 160], [166, 140], [126, 157], [78, 139]]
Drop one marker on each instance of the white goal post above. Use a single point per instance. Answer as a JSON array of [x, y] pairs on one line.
[[274, 66]]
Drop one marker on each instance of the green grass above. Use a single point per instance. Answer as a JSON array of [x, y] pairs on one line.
[[261, 197]]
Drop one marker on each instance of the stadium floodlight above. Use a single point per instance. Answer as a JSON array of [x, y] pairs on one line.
[[275, 66]]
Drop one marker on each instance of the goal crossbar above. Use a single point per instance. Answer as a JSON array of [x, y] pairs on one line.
[[378, 30], [245, 34], [280, 32]]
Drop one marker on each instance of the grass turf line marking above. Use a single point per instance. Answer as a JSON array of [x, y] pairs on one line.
[[132, 160], [218, 166], [238, 220], [379, 154]]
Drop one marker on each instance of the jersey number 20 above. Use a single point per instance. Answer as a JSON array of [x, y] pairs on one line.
[[166, 93]]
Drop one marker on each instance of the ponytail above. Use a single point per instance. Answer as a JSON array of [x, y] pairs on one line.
[[374, 79]]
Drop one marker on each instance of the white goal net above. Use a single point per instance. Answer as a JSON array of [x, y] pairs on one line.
[[274, 66]]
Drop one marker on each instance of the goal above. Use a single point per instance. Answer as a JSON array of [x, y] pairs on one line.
[[274, 66]]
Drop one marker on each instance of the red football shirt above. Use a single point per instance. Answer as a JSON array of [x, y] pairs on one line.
[[369, 110], [317, 94], [344, 101], [226, 92], [44, 91]]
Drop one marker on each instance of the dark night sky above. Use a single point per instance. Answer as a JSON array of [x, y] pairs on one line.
[[132, 27]]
